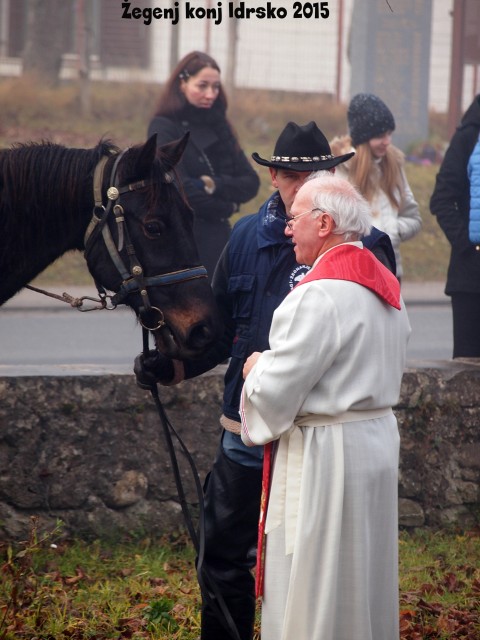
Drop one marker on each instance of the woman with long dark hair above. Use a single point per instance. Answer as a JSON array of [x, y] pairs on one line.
[[215, 173]]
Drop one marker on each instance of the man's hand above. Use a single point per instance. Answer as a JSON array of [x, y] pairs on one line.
[[152, 369], [249, 363]]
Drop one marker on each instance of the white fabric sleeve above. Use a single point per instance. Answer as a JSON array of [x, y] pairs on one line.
[[409, 218], [304, 340]]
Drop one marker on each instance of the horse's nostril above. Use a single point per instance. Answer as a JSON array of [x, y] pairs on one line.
[[200, 336]]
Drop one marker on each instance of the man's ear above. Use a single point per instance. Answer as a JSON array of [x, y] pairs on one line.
[[326, 224], [273, 176]]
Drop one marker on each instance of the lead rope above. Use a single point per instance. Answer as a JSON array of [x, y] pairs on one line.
[[207, 585]]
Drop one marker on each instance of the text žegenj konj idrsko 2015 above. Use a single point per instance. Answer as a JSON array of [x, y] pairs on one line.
[[240, 11]]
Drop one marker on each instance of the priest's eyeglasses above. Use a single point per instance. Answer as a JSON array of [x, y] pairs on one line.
[[289, 220]]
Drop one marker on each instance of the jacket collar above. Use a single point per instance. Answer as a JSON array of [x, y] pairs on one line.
[[271, 222]]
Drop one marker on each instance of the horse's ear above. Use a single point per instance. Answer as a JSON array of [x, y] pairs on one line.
[[169, 153], [173, 151], [146, 157]]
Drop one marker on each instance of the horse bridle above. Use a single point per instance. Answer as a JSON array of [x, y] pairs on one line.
[[133, 278]]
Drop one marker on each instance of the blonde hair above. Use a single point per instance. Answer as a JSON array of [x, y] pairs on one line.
[[389, 178]]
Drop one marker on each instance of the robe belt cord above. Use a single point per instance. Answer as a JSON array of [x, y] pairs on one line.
[[284, 498]]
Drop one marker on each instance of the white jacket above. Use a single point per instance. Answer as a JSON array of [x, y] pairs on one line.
[[400, 223]]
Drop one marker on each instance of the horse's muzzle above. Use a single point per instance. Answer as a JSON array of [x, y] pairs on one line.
[[198, 338]]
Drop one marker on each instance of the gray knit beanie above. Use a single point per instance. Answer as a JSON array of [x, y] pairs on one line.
[[368, 117]]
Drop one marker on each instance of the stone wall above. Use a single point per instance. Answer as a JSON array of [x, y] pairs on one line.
[[88, 448], [439, 418]]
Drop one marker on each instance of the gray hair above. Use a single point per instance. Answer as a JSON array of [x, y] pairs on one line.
[[349, 210]]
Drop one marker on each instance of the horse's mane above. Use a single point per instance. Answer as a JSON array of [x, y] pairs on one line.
[[43, 186], [46, 199], [45, 171]]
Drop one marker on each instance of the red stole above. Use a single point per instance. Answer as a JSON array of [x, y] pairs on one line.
[[343, 262], [349, 262], [266, 478]]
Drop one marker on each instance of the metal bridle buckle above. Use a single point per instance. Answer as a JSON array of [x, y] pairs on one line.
[[160, 323]]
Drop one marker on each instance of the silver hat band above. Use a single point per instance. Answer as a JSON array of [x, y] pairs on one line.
[[301, 158]]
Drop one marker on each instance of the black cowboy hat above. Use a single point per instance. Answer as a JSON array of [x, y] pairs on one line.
[[302, 148]]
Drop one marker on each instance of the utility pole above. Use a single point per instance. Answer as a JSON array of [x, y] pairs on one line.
[[232, 53], [83, 53], [456, 66], [208, 32], [4, 24], [338, 91], [174, 42]]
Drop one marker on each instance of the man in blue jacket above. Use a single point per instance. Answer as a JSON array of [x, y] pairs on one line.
[[255, 272]]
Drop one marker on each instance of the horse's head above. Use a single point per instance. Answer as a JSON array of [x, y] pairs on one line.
[[140, 245]]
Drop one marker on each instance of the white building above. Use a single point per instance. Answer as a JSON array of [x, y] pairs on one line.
[[291, 49]]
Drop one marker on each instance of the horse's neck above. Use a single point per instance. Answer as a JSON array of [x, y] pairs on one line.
[[41, 229]]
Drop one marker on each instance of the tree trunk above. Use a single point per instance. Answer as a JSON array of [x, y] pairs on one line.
[[48, 22]]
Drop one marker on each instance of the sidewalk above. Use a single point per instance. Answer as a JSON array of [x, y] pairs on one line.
[[414, 293], [430, 292]]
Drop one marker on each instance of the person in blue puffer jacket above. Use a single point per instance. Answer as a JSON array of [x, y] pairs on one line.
[[451, 204], [473, 171], [255, 272]]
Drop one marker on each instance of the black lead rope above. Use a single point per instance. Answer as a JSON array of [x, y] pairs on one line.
[[207, 584]]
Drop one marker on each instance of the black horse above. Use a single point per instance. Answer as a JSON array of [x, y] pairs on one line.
[[125, 210]]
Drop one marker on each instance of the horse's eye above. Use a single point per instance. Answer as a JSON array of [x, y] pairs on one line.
[[154, 229]]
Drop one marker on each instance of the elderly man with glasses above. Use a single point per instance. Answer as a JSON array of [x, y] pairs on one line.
[[323, 392]]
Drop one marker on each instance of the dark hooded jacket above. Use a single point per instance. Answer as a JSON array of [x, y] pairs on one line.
[[212, 150], [450, 203]]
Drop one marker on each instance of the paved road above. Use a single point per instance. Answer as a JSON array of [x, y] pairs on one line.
[[38, 332]]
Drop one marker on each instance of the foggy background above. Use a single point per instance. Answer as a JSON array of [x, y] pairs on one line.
[[410, 52]]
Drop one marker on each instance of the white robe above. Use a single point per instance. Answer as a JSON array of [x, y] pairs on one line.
[[334, 369]]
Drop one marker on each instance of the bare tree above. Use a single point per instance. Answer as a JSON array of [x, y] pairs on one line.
[[48, 23]]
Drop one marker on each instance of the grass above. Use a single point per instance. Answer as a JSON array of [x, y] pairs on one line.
[[425, 257], [439, 586], [122, 112], [147, 589]]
